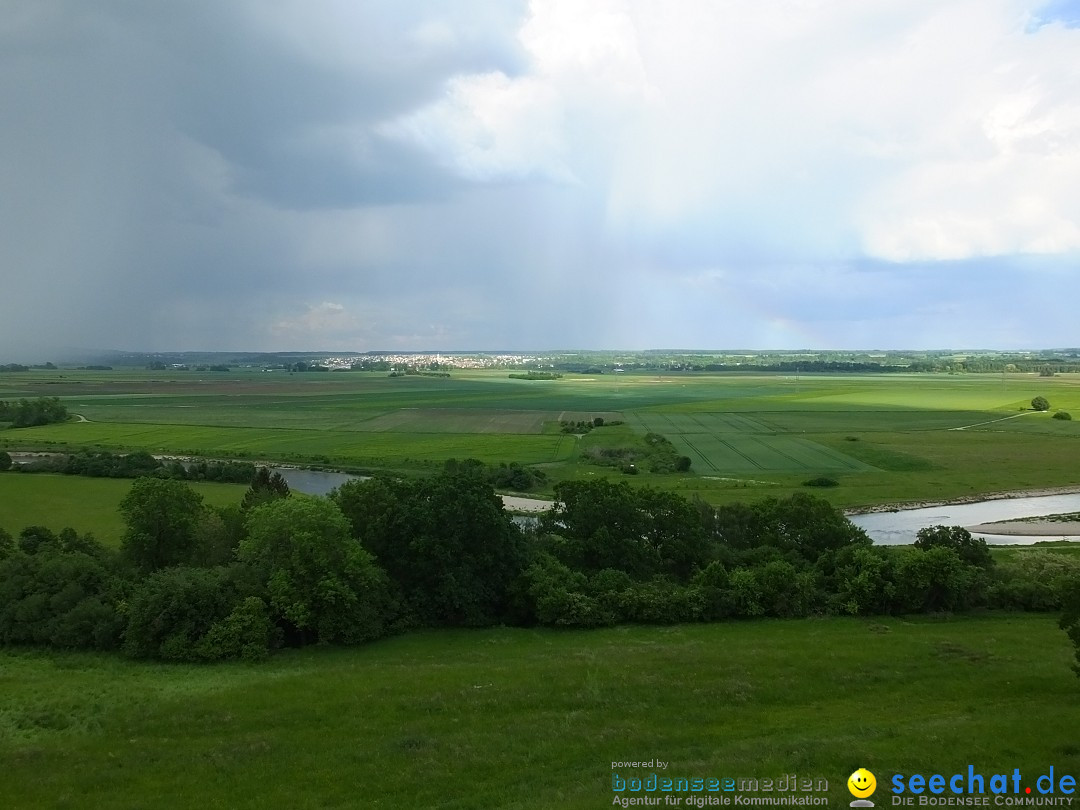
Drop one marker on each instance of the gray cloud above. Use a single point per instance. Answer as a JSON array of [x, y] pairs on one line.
[[405, 175]]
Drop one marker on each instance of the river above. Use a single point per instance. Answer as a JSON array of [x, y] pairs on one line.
[[314, 482], [891, 528]]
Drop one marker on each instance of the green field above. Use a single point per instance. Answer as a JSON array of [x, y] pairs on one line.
[[346, 447], [885, 437], [84, 504], [533, 719]]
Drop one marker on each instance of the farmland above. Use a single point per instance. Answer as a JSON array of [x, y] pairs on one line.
[[517, 718], [422, 719], [885, 438]]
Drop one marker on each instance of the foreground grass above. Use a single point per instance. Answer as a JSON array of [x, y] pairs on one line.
[[534, 718], [84, 504]]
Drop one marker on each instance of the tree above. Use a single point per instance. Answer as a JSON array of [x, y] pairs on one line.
[[600, 525], [802, 525], [162, 517], [319, 583], [5, 461], [265, 486], [972, 550], [29, 413], [217, 535], [642, 532], [1040, 404]]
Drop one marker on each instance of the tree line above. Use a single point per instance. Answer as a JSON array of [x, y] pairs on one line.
[[192, 582], [33, 412], [104, 464]]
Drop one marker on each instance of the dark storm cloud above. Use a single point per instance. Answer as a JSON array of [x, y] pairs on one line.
[[290, 114], [147, 149]]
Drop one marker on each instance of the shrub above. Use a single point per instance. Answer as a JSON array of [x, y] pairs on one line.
[[936, 580], [865, 582], [1035, 580], [61, 598], [557, 595], [172, 610], [245, 633], [1065, 415], [821, 481], [745, 593]]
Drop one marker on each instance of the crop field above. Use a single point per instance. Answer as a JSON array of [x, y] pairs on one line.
[[448, 420], [534, 719], [733, 442], [884, 437]]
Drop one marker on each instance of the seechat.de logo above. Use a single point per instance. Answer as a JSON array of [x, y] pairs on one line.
[[862, 785]]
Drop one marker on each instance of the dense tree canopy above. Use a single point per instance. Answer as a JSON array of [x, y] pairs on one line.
[[197, 584], [29, 413], [642, 532], [446, 542], [61, 590]]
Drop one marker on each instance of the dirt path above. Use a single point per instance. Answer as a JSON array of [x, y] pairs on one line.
[[1002, 419]]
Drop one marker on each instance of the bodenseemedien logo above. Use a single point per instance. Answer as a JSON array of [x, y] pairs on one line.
[[862, 785]]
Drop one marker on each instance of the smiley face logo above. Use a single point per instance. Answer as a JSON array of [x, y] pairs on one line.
[[861, 783]]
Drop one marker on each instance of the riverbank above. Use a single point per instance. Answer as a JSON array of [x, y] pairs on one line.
[[1029, 528], [1072, 489], [516, 503]]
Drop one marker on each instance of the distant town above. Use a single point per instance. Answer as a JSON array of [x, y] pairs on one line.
[[1042, 361]]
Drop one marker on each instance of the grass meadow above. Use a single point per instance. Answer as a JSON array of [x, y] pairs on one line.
[[533, 719], [85, 504], [886, 438]]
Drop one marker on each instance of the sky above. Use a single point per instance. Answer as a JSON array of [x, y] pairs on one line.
[[395, 175]]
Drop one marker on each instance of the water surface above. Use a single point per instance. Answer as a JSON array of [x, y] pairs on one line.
[[891, 528]]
